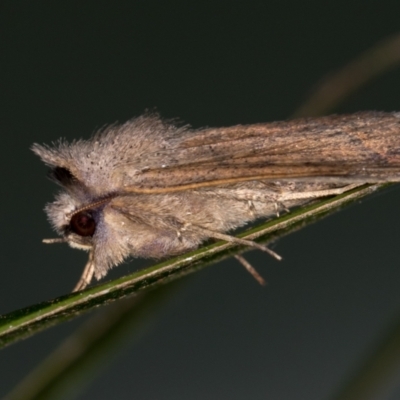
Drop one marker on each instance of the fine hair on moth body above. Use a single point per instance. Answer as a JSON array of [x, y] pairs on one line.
[[149, 188]]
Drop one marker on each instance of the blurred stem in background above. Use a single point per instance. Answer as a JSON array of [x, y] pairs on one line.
[[87, 351], [378, 375], [337, 86]]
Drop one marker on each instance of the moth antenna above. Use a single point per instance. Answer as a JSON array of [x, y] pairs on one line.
[[87, 274], [54, 240], [90, 206], [253, 272]]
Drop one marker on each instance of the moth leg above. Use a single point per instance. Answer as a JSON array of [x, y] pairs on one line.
[[251, 270], [279, 205], [252, 208], [179, 235], [317, 193], [234, 239], [87, 274]]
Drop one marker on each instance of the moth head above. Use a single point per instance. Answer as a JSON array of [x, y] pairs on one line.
[[83, 226], [71, 213], [75, 221]]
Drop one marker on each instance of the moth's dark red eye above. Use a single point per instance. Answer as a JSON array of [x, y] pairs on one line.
[[83, 224]]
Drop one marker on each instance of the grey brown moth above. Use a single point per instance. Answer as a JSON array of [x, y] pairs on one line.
[[149, 188]]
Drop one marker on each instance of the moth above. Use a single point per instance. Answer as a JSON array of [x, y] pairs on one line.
[[149, 188]]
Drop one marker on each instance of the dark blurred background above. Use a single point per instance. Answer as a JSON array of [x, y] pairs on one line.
[[68, 68]]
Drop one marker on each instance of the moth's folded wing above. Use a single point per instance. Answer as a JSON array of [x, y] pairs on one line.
[[357, 147]]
